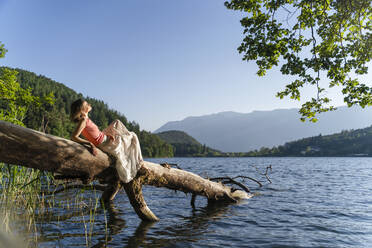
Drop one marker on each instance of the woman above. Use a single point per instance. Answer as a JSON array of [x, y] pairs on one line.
[[115, 140]]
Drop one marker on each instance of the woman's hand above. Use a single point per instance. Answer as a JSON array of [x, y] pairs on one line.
[[94, 150]]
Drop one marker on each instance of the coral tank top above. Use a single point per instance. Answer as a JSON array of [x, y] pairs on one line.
[[92, 133]]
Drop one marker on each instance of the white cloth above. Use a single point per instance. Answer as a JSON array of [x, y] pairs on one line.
[[126, 148]]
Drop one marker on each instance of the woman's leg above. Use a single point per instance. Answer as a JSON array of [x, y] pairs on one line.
[[136, 145], [118, 124]]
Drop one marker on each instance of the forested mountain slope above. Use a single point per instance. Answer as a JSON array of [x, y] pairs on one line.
[[346, 143], [186, 146]]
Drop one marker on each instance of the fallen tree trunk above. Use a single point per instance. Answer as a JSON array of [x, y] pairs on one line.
[[33, 149]]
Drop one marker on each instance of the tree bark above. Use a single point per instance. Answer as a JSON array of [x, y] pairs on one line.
[[33, 149]]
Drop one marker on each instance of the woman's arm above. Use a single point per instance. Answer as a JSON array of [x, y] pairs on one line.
[[76, 133]]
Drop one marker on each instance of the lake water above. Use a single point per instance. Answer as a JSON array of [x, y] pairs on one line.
[[311, 202]]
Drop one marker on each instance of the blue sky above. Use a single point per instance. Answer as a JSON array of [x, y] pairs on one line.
[[153, 60]]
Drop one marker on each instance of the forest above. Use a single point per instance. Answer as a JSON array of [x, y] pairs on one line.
[[347, 143]]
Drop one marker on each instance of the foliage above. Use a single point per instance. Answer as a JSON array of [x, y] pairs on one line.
[[14, 100], [314, 38], [2, 50]]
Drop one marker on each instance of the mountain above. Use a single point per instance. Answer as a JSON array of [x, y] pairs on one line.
[[54, 119], [346, 143], [242, 132], [174, 137], [186, 146]]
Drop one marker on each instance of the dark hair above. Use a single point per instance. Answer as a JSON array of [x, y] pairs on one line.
[[75, 109]]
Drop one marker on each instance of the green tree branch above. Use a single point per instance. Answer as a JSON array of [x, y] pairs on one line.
[[328, 37]]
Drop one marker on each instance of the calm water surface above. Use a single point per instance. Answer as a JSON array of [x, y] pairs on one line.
[[311, 202]]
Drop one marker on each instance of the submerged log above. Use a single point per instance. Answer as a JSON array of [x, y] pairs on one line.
[[33, 149]]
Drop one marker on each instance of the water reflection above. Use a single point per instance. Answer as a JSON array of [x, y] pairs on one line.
[[115, 225], [139, 236], [190, 230], [158, 234]]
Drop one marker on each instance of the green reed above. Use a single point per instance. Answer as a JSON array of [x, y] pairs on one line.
[[27, 199], [19, 194]]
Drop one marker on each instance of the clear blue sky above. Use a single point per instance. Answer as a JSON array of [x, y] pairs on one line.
[[153, 60]]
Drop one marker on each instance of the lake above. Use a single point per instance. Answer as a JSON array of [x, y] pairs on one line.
[[311, 202]]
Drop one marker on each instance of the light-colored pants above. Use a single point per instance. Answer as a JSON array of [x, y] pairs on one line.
[[126, 149]]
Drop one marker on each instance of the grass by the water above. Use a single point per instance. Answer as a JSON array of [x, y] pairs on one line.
[[28, 198]]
